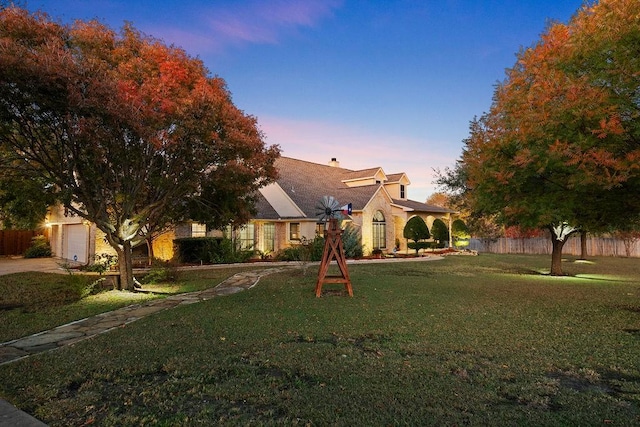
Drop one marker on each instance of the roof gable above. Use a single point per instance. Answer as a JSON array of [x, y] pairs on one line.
[[280, 201], [301, 185], [365, 177], [401, 178]]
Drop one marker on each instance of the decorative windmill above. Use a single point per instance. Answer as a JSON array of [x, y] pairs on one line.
[[327, 210]]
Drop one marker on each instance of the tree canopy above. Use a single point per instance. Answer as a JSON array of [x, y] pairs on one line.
[[460, 233], [416, 229], [440, 231], [560, 146], [126, 131]]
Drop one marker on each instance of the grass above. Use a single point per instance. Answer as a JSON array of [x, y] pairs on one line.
[[482, 340], [33, 302]]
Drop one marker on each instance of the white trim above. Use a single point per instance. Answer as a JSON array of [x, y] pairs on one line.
[[281, 202]]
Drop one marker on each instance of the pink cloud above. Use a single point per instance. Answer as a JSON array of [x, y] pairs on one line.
[[355, 148], [264, 22], [213, 28]]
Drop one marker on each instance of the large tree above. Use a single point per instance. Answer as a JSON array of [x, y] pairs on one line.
[[23, 202], [128, 132], [560, 145]]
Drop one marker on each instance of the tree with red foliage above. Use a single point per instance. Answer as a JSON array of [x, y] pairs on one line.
[[559, 148], [128, 131]]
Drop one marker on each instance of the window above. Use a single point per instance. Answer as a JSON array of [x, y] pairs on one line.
[[247, 237], [402, 192], [320, 227], [379, 231], [269, 234], [294, 231], [198, 230]]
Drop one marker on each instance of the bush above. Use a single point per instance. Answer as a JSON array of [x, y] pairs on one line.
[[209, 250], [440, 231], [460, 233], [352, 242], [311, 250], [162, 272], [39, 248], [101, 263], [306, 251]]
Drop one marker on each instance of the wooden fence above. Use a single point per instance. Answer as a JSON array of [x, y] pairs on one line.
[[15, 242], [596, 246]]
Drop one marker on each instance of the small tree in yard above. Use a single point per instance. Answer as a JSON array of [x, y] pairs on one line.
[[123, 130], [440, 231], [460, 233], [416, 229]]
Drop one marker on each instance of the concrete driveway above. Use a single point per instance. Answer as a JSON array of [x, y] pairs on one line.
[[9, 265]]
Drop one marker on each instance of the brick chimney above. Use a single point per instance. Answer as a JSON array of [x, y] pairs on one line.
[[334, 163]]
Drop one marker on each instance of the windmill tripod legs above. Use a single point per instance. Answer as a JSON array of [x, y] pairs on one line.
[[333, 250]]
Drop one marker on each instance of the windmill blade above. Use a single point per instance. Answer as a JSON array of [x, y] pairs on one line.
[[331, 202], [326, 207]]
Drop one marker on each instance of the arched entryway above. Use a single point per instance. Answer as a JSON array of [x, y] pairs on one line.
[[379, 229]]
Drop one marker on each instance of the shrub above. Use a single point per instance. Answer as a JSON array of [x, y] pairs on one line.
[[101, 263], [440, 231], [306, 251], [352, 242], [209, 250], [416, 229], [39, 248], [162, 272], [460, 233]]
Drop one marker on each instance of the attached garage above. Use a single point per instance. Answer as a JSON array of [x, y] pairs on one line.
[[75, 242]]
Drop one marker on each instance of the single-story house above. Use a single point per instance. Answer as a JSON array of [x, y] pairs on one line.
[[286, 213]]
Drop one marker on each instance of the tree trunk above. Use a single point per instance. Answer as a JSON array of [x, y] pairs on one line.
[[150, 253], [126, 266], [583, 245], [556, 256]]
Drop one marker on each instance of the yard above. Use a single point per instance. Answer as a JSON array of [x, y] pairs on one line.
[[485, 340]]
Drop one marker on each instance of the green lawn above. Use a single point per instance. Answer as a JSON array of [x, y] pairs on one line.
[[482, 340], [33, 302]]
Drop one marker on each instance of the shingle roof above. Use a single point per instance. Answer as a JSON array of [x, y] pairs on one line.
[[364, 173], [264, 209], [394, 177], [306, 183], [421, 207]]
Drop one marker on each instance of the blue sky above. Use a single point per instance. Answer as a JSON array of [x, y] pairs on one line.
[[373, 83]]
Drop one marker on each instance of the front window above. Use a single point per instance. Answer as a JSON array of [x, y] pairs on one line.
[[269, 233], [320, 227], [294, 231], [247, 237], [379, 231], [402, 192], [198, 230]]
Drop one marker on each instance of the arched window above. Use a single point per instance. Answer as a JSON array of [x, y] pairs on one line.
[[379, 231]]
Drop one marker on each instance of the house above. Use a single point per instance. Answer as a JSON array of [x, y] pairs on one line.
[[286, 213], [287, 209]]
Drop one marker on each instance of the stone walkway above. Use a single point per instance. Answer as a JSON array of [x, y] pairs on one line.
[[86, 328], [79, 330]]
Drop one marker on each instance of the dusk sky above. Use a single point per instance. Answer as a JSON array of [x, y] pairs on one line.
[[373, 83]]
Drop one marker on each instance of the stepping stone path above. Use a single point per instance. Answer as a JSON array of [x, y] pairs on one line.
[[86, 328]]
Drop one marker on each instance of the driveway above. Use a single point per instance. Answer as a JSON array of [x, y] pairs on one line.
[[9, 265]]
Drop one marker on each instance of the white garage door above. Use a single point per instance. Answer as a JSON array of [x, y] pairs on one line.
[[75, 242]]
